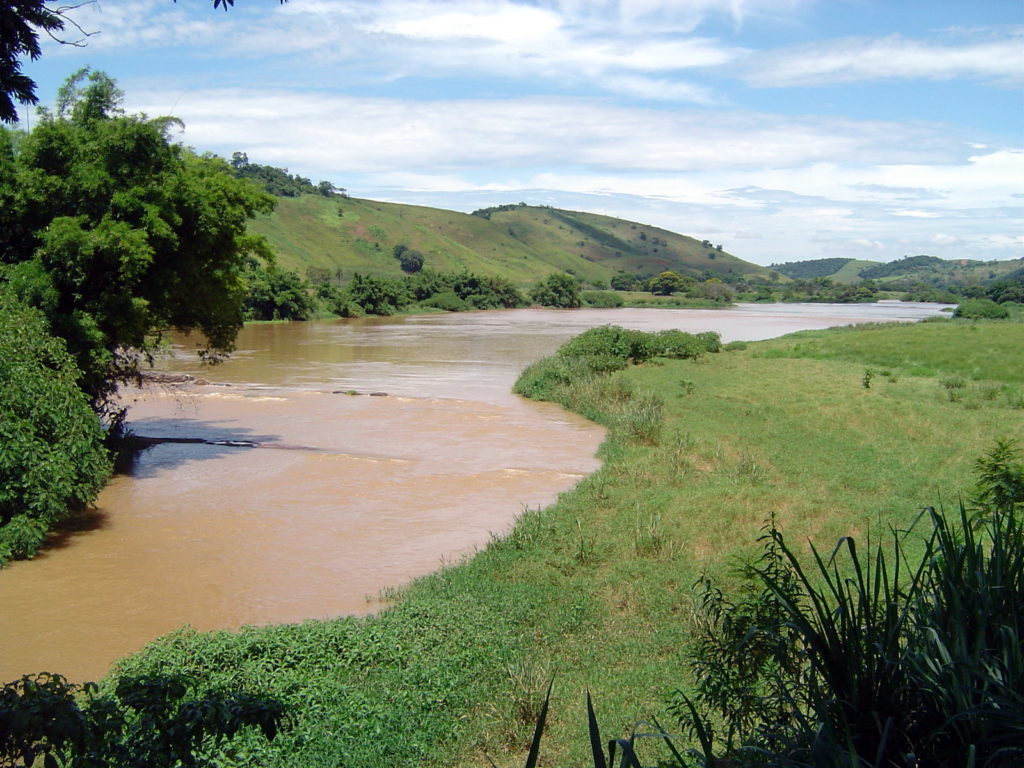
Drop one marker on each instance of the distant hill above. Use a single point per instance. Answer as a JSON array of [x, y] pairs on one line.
[[808, 270], [910, 270], [520, 242]]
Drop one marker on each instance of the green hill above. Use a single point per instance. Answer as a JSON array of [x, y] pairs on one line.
[[519, 242], [846, 271], [910, 270]]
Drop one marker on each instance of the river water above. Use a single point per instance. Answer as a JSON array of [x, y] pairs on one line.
[[308, 501]]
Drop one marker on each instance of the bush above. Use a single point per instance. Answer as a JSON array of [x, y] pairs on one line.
[[686, 346], [557, 290], [144, 721], [447, 301], [52, 457], [278, 294], [981, 309], [602, 299], [611, 341]]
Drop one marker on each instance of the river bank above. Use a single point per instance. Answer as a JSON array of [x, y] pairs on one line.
[[211, 525], [596, 589]]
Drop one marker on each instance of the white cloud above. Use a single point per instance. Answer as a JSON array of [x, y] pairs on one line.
[[507, 23], [366, 135], [915, 214], [659, 89], [892, 57]]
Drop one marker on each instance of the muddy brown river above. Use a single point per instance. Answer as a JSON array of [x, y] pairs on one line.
[[306, 501]]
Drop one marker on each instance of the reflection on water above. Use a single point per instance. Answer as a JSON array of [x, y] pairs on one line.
[[305, 501]]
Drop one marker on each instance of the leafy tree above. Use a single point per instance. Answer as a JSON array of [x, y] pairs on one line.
[[666, 284], [623, 282], [411, 261], [277, 181], [277, 294], [716, 290], [558, 289], [377, 295], [20, 23], [51, 446], [117, 234]]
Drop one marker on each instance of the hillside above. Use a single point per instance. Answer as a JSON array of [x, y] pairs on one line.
[[837, 269], [521, 243], [929, 270]]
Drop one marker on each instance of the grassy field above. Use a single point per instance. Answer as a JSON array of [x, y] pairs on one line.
[[597, 589]]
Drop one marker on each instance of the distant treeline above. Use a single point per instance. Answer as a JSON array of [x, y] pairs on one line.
[[277, 181], [276, 294]]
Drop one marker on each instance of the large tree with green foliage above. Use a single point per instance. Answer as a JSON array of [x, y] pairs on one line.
[[118, 234], [667, 283], [558, 289], [51, 446]]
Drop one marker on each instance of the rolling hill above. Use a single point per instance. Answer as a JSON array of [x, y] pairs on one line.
[[929, 270], [519, 242]]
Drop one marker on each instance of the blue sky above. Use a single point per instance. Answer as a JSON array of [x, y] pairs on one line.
[[784, 129]]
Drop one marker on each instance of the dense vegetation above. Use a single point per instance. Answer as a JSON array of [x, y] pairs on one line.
[[52, 457], [116, 234], [110, 235], [964, 277], [597, 589], [807, 270], [277, 181]]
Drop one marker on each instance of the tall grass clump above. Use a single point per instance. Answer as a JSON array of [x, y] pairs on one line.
[[877, 657]]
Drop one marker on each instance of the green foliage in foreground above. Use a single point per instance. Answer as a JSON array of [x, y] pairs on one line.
[[871, 658], [51, 446], [142, 721]]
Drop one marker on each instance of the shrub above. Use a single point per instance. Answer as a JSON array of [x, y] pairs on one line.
[[145, 720], [611, 341], [981, 309], [278, 294], [52, 457], [447, 301], [602, 299], [557, 290]]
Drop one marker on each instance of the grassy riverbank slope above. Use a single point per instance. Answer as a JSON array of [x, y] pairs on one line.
[[835, 432]]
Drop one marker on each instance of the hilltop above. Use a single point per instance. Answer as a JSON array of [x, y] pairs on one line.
[[519, 242]]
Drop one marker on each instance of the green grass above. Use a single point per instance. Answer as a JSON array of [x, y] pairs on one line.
[[597, 590]]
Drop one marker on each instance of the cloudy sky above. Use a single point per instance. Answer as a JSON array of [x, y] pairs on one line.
[[784, 129]]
